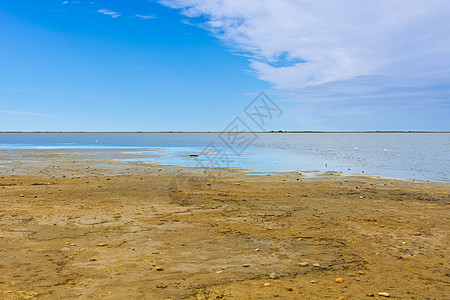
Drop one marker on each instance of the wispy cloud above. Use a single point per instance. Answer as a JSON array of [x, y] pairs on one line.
[[73, 2], [387, 58], [293, 44], [146, 17], [14, 112], [109, 13]]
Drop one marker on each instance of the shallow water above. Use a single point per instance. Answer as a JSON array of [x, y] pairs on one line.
[[424, 156]]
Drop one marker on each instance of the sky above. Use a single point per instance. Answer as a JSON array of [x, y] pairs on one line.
[[195, 65]]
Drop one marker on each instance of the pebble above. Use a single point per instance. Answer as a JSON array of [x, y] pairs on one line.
[[267, 284], [101, 244], [159, 268], [257, 249], [384, 294], [314, 281], [273, 275], [21, 195], [303, 264], [339, 280], [316, 265], [341, 298], [161, 286], [245, 265]]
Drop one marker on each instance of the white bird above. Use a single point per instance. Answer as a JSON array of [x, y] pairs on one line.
[[385, 150], [356, 149]]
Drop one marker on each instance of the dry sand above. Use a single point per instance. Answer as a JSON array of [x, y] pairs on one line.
[[90, 226]]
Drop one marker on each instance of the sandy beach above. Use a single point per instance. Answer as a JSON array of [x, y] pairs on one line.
[[75, 225]]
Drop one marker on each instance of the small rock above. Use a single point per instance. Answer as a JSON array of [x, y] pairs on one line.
[[101, 244], [159, 268], [303, 264], [384, 294], [289, 289], [314, 281], [267, 284], [219, 272], [245, 265], [257, 249], [339, 280], [21, 195], [370, 295], [273, 276], [316, 265], [161, 286], [341, 298]]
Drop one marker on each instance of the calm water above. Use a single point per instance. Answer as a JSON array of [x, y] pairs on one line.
[[423, 156]]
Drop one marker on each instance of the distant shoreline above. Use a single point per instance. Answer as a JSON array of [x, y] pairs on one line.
[[272, 131]]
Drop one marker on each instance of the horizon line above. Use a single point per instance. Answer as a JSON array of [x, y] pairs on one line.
[[270, 131]]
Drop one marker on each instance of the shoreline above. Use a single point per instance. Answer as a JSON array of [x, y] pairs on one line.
[[76, 226], [271, 131], [72, 153]]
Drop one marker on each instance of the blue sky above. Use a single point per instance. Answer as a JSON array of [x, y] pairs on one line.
[[195, 65]]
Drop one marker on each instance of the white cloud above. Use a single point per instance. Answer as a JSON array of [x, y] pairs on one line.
[[73, 2], [109, 13], [146, 17], [296, 43]]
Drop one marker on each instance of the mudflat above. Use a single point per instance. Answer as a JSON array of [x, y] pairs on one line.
[[75, 225]]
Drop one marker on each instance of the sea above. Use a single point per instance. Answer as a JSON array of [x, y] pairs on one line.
[[420, 156]]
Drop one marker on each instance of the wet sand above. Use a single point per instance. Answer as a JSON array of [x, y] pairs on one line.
[[74, 224]]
